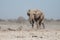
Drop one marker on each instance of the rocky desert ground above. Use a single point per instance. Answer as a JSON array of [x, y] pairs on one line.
[[23, 31]]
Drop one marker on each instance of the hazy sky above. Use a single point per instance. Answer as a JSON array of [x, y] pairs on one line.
[[15, 8]]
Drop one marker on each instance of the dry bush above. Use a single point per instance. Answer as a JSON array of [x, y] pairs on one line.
[[58, 20], [49, 20], [0, 27], [11, 20], [21, 19], [2, 20], [11, 29]]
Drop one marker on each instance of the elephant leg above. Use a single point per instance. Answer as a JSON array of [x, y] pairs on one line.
[[32, 23], [37, 24], [43, 25], [40, 24]]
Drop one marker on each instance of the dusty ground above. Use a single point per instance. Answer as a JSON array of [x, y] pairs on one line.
[[30, 35], [23, 31]]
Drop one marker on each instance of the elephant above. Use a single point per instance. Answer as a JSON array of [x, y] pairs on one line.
[[36, 15]]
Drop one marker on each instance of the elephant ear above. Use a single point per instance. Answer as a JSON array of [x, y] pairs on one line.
[[28, 13]]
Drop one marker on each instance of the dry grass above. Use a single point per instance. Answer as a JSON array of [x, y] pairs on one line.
[[23, 31]]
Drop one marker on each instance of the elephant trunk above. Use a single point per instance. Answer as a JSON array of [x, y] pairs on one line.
[[31, 19]]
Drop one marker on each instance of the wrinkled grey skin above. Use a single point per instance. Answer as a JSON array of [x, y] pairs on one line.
[[36, 16]]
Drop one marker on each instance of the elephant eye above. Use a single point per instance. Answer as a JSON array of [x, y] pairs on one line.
[[28, 14]]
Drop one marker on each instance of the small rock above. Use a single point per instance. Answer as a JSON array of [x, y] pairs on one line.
[[41, 37], [34, 36]]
